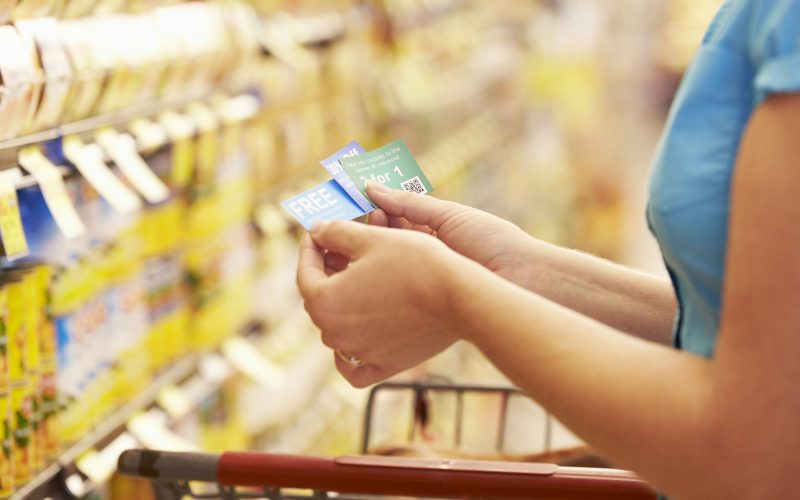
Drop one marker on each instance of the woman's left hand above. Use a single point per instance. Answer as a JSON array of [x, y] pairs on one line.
[[388, 307]]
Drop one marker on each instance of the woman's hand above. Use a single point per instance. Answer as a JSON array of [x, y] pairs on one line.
[[385, 302], [492, 242]]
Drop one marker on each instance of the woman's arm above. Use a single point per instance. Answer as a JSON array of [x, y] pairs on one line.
[[721, 428], [695, 427], [628, 300]]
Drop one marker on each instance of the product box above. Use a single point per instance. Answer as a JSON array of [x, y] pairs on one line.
[[74, 9], [35, 8], [53, 66], [88, 77], [168, 21], [107, 53], [6, 8], [17, 76]]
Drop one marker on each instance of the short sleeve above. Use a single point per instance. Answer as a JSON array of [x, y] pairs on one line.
[[774, 47]]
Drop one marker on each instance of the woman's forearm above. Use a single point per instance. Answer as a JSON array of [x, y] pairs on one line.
[[625, 299], [640, 403]]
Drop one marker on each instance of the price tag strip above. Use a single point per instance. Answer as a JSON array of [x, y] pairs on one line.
[[15, 244], [88, 159], [54, 191], [124, 153], [344, 197]]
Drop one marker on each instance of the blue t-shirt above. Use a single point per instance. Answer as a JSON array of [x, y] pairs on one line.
[[751, 50]]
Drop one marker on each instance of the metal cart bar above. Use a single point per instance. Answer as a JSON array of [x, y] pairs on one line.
[[368, 475]]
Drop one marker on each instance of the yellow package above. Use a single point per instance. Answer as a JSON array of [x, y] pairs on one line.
[[33, 309], [6, 7], [47, 435], [3, 338], [6, 472], [33, 8], [17, 334], [22, 443]]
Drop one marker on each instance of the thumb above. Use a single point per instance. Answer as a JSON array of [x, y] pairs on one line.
[[346, 238], [417, 209]]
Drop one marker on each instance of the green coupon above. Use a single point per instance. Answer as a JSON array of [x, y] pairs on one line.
[[392, 165]]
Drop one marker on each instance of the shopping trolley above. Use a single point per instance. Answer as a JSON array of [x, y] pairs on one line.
[[423, 406], [246, 475], [277, 477]]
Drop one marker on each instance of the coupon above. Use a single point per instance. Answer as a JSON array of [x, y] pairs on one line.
[[325, 202], [334, 167], [392, 165], [344, 196]]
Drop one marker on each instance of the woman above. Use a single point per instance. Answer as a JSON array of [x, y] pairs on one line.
[[719, 417]]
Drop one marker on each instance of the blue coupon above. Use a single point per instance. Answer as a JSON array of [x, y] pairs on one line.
[[328, 201], [334, 167]]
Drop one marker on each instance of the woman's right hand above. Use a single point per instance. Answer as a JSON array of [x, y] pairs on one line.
[[495, 243]]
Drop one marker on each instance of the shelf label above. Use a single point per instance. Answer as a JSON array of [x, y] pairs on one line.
[[124, 153], [151, 430], [149, 134], [88, 159], [174, 400], [208, 152], [180, 130], [246, 359], [14, 242], [99, 466], [48, 176]]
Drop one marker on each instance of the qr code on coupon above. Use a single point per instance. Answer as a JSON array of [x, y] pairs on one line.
[[414, 185]]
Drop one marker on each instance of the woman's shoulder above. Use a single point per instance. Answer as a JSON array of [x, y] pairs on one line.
[[755, 24]]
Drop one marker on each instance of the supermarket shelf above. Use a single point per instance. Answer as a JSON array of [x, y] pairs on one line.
[[125, 115], [47, 482]]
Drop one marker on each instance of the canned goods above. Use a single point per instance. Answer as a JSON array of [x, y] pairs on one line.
[[6, 473], [16, 329], [23, 440], [6, 470], [3, 338]]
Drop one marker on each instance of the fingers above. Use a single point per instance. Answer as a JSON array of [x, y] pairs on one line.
[[336, 262], [398, 222], [310, 267], [359, 376], [378, 218], [419, 210], [348, 239]]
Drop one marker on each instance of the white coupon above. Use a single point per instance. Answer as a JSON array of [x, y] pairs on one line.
[[88, 159], [48, 176], [124, 153]]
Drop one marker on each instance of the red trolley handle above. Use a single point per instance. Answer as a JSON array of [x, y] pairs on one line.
[[440, 478]]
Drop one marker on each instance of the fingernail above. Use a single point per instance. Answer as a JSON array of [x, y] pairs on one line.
[[318, 226], [378, 187]]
